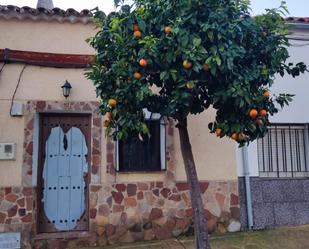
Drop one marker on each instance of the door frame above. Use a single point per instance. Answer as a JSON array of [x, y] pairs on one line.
[[41, 159]]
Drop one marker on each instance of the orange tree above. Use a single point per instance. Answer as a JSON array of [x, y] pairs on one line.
[[197, 54]]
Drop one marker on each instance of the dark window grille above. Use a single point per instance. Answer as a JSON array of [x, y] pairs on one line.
[[136, 155], [282, 152]]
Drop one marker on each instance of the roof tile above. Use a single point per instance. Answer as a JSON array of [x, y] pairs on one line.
[[71, 15], [55, 14]]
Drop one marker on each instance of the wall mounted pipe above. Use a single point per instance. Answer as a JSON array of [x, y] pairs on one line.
[[247, 186]]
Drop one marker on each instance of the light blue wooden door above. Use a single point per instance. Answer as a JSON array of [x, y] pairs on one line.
[[64, 174]]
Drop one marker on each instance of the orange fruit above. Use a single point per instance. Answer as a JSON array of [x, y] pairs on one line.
[[143, 62], [187, 64], [263, 113], [206, 67], [112, 102], [253, 113], [266, 94], [137, 76], [167, 30], [234, 136], [106, 123], [135, 27], [137, 34], [109, 115], [259, 122], [218, 132]]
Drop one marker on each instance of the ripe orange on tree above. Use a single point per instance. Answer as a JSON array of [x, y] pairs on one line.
[[259, 122], [135, 27], [137, 76], [266, 94], [253, 113], [143, 62], [263, 113], [187, 64], [167, 30], [112, 102], [137, 34], [218, 132]]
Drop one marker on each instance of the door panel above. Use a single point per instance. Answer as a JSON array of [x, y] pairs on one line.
[[63, 173]]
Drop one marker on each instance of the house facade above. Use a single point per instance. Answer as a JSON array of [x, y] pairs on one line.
[[273, 171], [63, 183]]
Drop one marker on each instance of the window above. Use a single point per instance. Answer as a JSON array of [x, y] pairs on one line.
[[283, 152], [148, 155]]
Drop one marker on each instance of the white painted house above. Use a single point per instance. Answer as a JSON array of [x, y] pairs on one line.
[[276, 168]]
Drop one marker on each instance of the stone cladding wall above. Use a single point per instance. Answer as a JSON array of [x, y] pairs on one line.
[[119, 212]]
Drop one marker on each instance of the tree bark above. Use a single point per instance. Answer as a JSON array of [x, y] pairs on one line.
[[200, 222]]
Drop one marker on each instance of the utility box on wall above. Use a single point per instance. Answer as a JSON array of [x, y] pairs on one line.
[[10, 240], [7, 151]]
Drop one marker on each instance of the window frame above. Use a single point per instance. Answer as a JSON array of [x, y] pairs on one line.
[[152, 117], [292, 174]]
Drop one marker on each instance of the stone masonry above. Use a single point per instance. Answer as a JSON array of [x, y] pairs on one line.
[[276, 202], [119, 212]]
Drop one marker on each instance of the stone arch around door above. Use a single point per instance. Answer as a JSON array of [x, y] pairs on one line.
[[32, 109]]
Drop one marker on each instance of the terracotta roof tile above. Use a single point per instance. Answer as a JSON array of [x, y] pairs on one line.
[[298, 19], [70, 15], [56, 14]]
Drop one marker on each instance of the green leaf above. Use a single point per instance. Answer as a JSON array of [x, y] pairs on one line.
[[163, 75], [197, 42]]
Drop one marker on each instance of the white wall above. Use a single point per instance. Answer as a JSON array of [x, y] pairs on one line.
[[296, 112]]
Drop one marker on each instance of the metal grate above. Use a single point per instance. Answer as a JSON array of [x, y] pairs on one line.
[[135, 155], [282, 152]]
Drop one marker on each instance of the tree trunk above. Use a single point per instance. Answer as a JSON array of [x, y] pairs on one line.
[[200, 222]]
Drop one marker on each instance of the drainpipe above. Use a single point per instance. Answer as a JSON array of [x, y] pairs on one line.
[[306, 135], [247, 186]]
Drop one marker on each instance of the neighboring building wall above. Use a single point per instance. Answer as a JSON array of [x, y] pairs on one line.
[[275, 201], [122, 207]]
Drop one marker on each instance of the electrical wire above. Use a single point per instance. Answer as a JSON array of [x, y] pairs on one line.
[[13, 97], [2, 67]]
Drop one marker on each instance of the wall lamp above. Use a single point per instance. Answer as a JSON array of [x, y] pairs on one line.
[[66, 89]]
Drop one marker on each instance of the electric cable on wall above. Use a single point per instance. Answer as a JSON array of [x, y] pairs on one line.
[[13, 97], [2, 67]]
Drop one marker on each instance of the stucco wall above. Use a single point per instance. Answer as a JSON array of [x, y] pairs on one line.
[[43, 36], [37, 83], [11, 131], [215, 158]]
